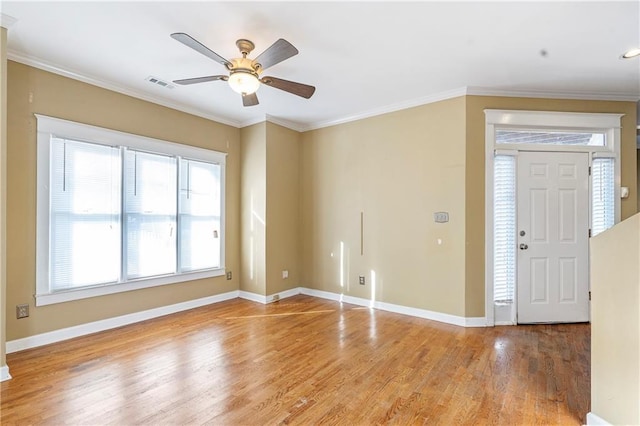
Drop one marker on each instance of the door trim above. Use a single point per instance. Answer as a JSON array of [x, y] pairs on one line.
[[544, 120]]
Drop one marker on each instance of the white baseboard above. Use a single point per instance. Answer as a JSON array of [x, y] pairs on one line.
[[259, 298], [106, 324], [399, 309], [4, 373], [109, 323], [595, 420]]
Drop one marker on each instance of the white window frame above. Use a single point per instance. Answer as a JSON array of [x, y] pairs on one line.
[[541, 120], [51, 126]]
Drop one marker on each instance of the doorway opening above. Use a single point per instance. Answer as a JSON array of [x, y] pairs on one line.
[[552, 181]]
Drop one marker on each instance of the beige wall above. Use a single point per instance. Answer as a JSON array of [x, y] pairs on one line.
[[3, 193], [283, 208], [615, 323], [638, 179], [302, 199], [270, 208], [474, 267], [397, 169], [34, 91], [253, 208]]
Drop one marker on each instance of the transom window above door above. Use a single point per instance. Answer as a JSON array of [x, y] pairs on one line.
[[537, 137]]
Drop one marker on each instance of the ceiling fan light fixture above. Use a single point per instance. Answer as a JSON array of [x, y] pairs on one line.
[[244, 82], [631, 53]]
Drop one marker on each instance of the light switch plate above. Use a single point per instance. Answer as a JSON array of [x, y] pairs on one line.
[[441, 217]]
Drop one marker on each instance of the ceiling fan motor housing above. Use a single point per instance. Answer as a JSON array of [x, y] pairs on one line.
[[244, 65]]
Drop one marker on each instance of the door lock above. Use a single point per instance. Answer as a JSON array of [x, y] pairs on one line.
[[523, 246]]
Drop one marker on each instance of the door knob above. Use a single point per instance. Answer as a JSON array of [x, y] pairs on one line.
[[523, 246]]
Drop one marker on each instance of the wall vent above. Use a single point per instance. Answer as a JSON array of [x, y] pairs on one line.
[[159, 82]]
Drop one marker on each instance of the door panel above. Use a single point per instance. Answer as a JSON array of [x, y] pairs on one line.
[[553, 214]]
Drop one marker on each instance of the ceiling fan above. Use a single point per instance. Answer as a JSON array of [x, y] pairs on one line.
[[244, 73]]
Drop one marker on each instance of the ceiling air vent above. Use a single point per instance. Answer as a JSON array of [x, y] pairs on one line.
[[159, 82]]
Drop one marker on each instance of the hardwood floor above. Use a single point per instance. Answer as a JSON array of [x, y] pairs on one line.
[[303, 361]]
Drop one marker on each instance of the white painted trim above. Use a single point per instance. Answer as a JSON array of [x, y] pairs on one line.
[[287, 293], [593, 419], [399, 309], [4, 373], [611, 96], [7, 21], [298, 127], [95, 81], [553, 119], [247, 295], [259, 298], [109, 323], [489, 309], [442, 96]]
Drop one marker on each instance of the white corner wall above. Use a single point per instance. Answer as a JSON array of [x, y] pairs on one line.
[[615, 324]]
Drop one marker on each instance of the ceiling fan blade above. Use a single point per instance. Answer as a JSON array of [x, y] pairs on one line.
[[303, 90], [195, 80], [277, 52], [191, 42], [249, 99]]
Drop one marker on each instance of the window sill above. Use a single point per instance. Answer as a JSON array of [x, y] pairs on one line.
[[84, 293]]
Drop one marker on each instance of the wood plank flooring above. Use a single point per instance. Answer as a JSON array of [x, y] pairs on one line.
[[303, 361]]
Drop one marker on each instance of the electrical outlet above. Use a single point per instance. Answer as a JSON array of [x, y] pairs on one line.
[[361, 279], [285, 274], [229, 275], [22, 311]]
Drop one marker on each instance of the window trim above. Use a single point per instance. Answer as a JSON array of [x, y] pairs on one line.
[[607, 123], [48, 126]]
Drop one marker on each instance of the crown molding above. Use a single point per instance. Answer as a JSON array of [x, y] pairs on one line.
[[613, 96], [473, 91], [293, 125], [7, 21], [56, 69], [389, 108]]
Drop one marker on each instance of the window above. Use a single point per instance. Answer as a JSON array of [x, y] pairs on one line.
[[602, 195], [504, 228], [538, 137], [119, 212]]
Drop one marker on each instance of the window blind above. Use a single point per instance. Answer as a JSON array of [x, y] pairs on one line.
[[85, 214], [602, 195], [504, 229], [199, 215], [150, 213]]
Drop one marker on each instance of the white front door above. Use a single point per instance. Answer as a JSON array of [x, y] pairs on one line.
[[553, 237]]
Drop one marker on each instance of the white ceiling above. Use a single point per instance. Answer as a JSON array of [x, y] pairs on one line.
[[364, 58]]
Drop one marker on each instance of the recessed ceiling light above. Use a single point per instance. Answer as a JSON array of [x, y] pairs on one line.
[[631, 53]]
